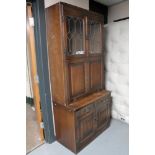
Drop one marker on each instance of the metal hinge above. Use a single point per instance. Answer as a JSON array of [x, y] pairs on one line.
[[41, 125], [36, 79], [31, 21]]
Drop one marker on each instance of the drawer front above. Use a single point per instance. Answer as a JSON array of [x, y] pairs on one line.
[[104, 100], [85, 110]]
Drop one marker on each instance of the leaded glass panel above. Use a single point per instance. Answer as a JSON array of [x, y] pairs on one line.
[[95, 37], [75, 35]]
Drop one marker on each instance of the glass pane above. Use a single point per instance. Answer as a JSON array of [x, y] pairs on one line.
[[74, 27], [95, 38]]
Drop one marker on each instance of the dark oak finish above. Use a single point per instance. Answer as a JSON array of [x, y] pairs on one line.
[[56, 55], [65, 126], [75, 48], [67, 86], [78, 124], [96, 69], [77, 79]]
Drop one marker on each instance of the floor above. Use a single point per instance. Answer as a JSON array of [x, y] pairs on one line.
[[32, 129], [114, 141]]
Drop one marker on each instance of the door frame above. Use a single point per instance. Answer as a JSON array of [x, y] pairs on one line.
[[38, 10], [31, 54]]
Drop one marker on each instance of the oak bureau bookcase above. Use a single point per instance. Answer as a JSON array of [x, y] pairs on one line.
[[82, 106]]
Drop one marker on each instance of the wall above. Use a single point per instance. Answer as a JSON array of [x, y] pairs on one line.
[[118, 11], [29, 91], [117, 67], [80, 3], [117, 59]]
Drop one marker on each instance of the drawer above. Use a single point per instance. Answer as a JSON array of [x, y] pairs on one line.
[[104, 100], [85, 110]]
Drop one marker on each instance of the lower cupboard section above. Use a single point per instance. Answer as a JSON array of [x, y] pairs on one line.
[[77, 128]]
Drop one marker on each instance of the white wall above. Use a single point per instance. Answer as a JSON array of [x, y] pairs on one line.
[[118, 11], [117, 67], [29, 91], [117, 59], [80, 3]]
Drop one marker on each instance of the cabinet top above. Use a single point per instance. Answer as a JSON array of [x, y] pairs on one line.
[[78, 8], [88, 100]]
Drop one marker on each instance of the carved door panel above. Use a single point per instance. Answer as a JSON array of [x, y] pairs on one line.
[[96, 75], [85, 127], [76, 79], [102, 114]]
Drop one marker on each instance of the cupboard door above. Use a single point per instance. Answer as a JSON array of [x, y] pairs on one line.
[[74, 36], [95, 37], [102, 114], [85, 128], [96, 75], [74, 30], [76, 80]]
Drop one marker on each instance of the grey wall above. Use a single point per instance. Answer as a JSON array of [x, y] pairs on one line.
[[117, 67], [117, 59], [118, 11]]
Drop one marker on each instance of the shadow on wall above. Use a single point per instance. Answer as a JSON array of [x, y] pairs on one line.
[[117, 67]]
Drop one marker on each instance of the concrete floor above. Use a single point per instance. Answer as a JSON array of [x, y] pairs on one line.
[[114, 141], [32, 129]]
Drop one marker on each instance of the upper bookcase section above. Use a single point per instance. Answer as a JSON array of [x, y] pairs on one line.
[[82, 31]]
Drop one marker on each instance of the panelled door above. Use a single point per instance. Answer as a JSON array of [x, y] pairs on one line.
[[74, 51], [95, 52], [85, 125], [96, 74], [102, 115], [76, 79], [91, 119]]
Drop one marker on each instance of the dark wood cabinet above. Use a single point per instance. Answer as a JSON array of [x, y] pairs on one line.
[[80, 122], [76, 65]]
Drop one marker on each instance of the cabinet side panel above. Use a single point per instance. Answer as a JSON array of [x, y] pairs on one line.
[[55, 53], [65, 127]]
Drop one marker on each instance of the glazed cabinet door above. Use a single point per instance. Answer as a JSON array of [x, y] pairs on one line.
[[85, 125], [73, 32], [95, 36], [102, 114]]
